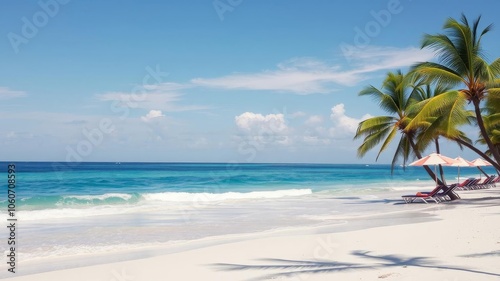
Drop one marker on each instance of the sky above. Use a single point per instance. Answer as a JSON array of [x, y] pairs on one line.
[[207, 81]]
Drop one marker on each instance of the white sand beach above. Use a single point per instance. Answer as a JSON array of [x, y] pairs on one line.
[[458, 241]]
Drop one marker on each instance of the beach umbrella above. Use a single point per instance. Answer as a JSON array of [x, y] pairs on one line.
[[434, 159], [460, 162], [479, 162]]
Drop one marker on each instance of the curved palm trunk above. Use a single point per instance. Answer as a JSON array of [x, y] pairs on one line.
[[452, 195], [482, 128], [480, 153], [419, 155], [482, 171], [441, 172]]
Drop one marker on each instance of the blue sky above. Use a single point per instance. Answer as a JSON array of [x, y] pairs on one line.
[[218, 81]]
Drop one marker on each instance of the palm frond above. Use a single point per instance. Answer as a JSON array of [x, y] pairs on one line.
[[403, 150], [373, 124], [385, 101], [372, 140], [387, 141], [434, 72], [450, 104]]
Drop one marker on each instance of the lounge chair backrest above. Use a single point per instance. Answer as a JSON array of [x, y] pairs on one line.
[[437, 189], [473, 182], [451, 188], [464, 183], [488, 180]]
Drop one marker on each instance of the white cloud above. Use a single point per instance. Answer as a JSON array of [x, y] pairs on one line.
[[314, 120], [296, 76], [198, 143], [6, 93], [343, 125], [255, 122], [261, 129], [315, 140], [298, 114], [167, 86], [374, 58], [159, 96], [151, 115], [309, 76]]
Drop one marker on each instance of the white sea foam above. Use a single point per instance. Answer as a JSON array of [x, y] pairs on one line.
[[74, 250], [150, 201], [38, 215], [102, 197], [212, 197], [411, 187]]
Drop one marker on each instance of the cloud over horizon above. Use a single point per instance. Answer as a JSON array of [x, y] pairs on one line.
[[309, 76], [344, 126], [152, 114], [163, 96], [275, 129], [6, 93]]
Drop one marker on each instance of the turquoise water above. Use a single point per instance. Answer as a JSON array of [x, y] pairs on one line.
[[57, 185], [93, 208]]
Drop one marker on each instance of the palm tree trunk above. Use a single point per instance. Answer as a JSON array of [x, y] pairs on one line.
[[479, 152], [452, 195], [482, 171], [419, 155], [441, 172], [482, 128]]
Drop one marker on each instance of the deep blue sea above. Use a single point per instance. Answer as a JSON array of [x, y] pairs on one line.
[[90, 208]]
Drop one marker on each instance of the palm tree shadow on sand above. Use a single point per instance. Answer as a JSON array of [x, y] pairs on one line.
[[291, 268]]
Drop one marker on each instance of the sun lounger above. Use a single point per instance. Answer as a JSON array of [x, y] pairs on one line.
[[424, 196], [445, 195], [472, 184], [495, 181], [478, 184], [486, 183], [463, 185]]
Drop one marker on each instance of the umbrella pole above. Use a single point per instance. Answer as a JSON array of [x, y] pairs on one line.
[[436, 174], [458, 179]]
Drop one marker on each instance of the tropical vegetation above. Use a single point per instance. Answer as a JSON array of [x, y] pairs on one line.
[[434, 100]]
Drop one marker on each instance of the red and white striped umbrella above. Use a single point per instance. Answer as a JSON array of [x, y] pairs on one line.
[[479, 162], [460, 162], [434, 159]]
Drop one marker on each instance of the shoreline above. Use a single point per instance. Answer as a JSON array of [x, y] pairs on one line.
[[333, 225], [158, 226], [208, 248]]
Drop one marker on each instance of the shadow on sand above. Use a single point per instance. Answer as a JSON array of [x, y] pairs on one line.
[[289, 268]]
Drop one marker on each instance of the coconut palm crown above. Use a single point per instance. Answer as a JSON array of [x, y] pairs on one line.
[[460, 62], [396, 96]]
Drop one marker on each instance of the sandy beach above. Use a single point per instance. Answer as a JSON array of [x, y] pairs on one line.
[[452, 241], [249, 140]]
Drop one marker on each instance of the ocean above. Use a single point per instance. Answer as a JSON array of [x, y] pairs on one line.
[[96, 208]]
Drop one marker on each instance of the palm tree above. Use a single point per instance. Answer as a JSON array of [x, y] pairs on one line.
[[446, 124], [432, 128], [492, 124], [396, 96], [460, 62]]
